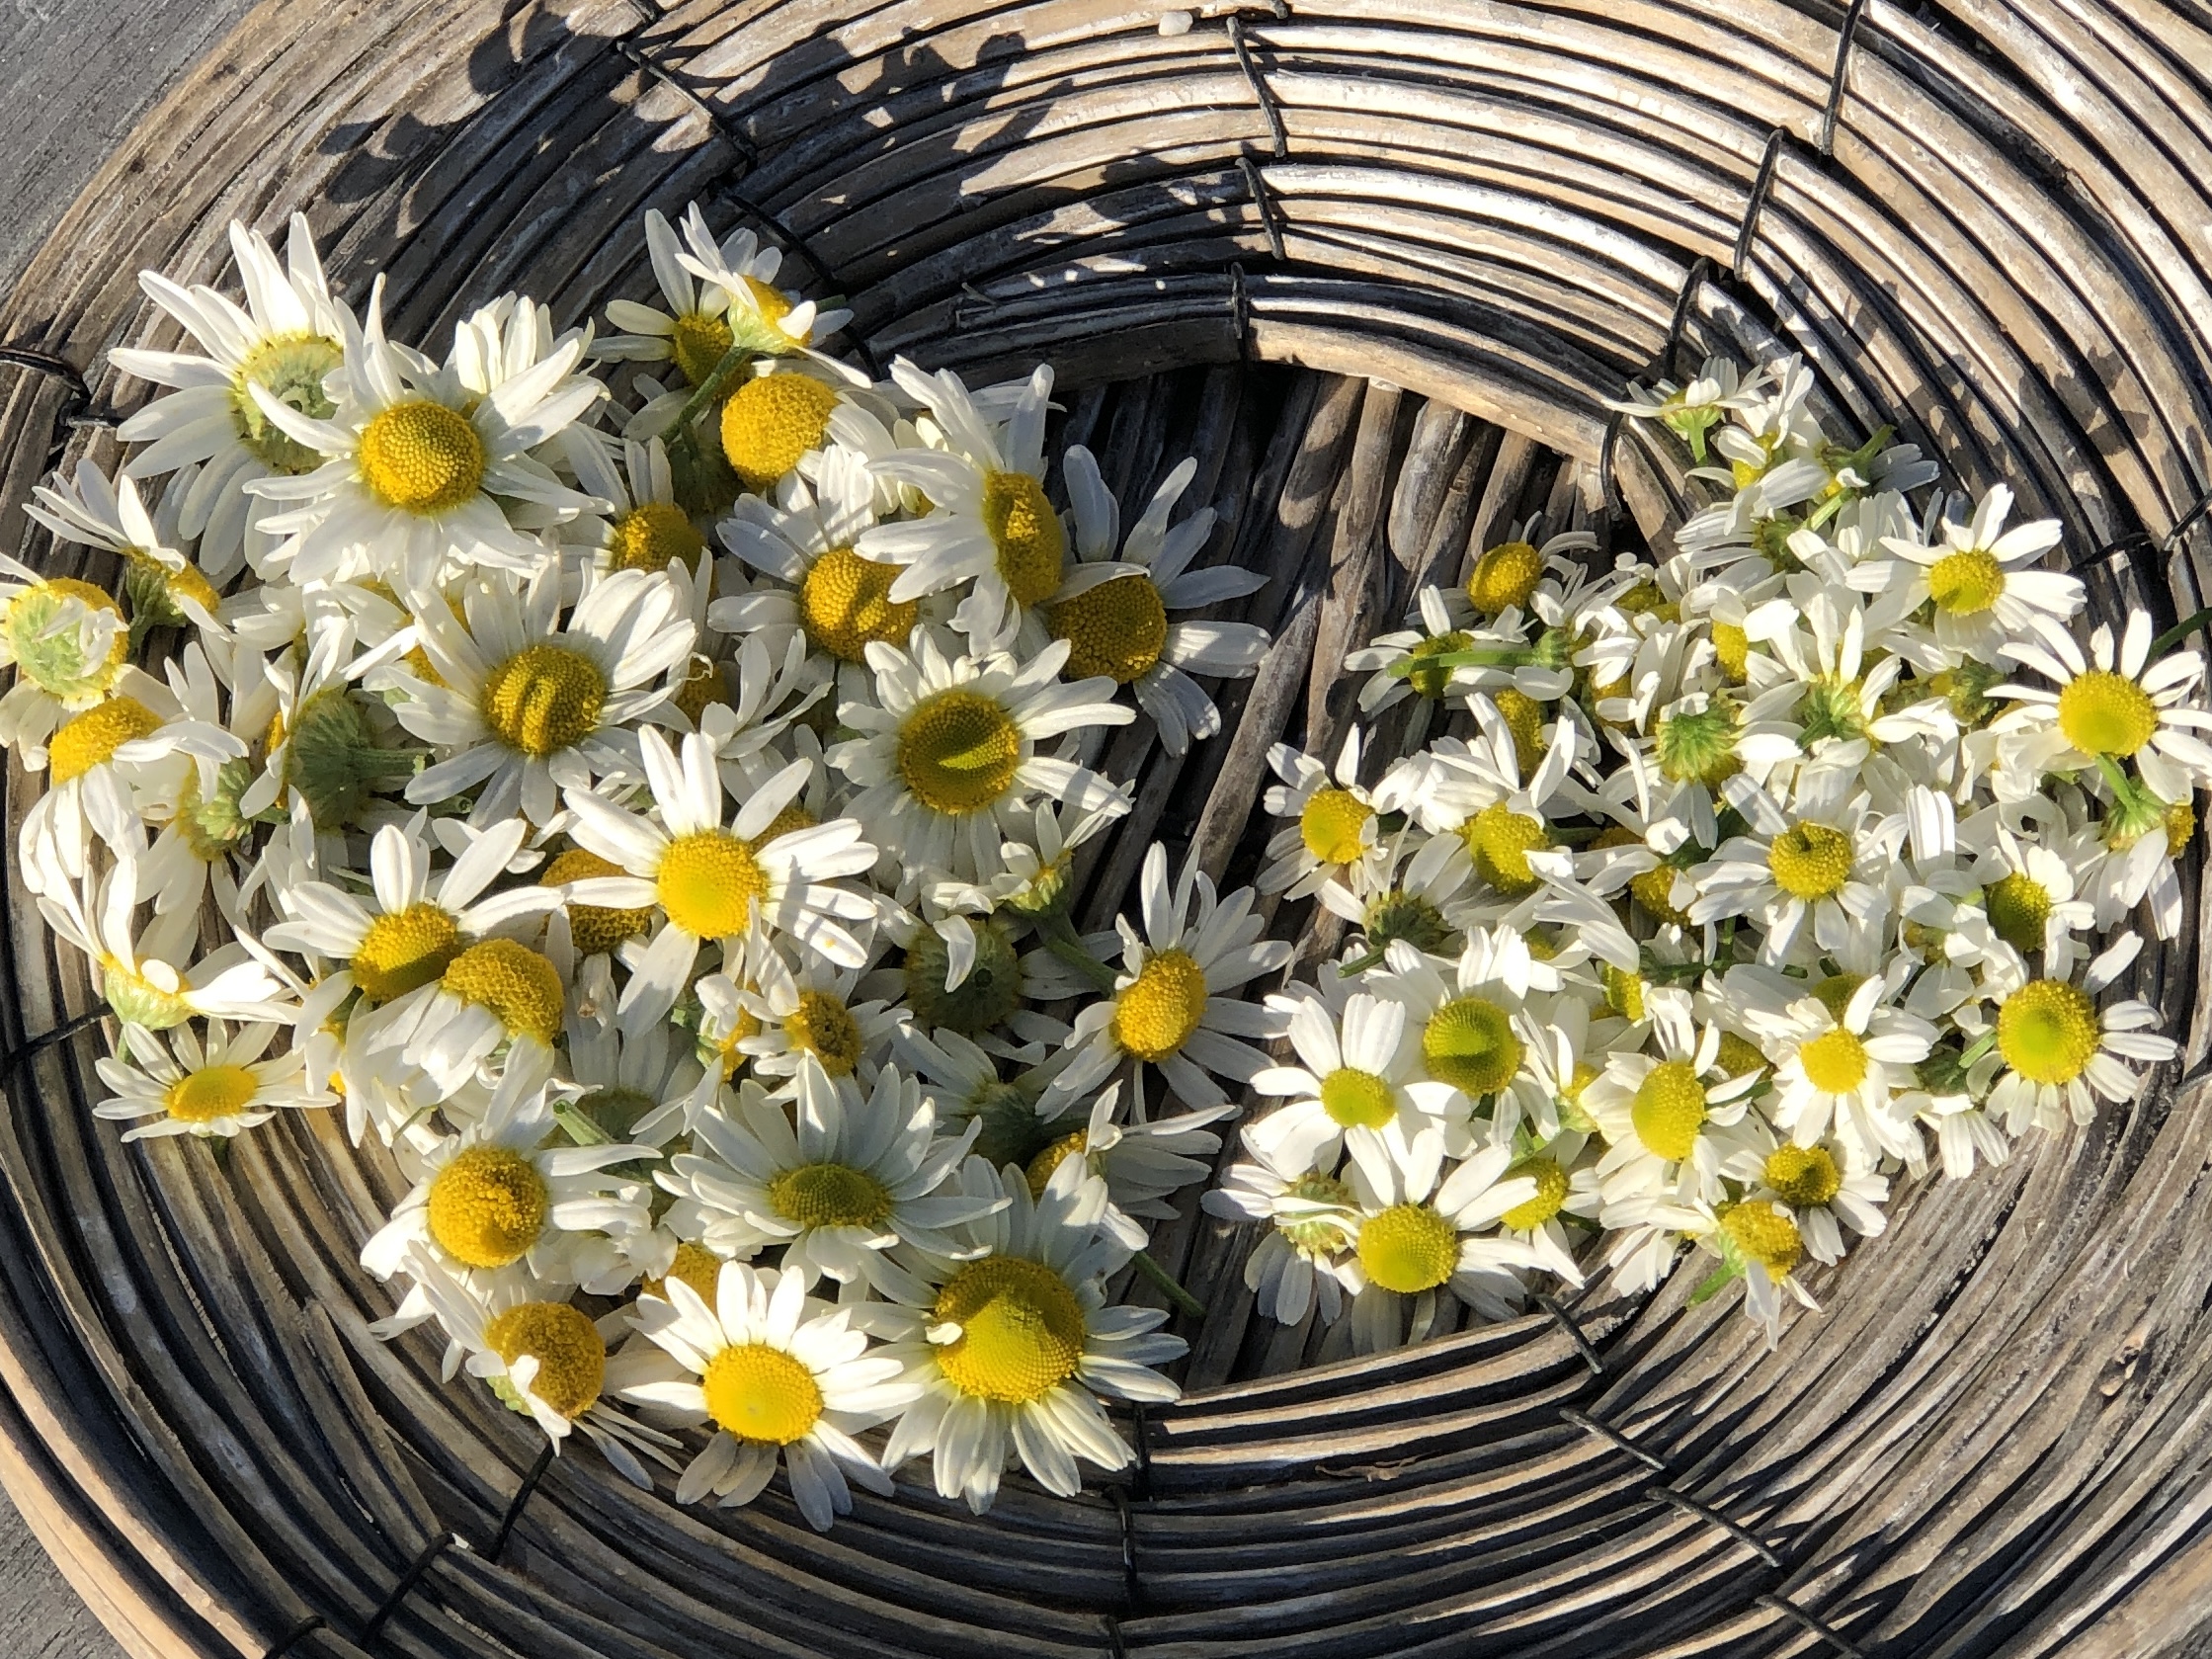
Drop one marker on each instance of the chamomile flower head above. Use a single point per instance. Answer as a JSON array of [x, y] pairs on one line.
[[149, 973], [1670, 1118], [2112, 704], [1304, 1261], [1821, 1186], [225, 1084], [1978, 578], [164, 586], [1359, 1075], [1760, 1240], [718, 293], [68, 644], [1333, 830], [2060, 1051], [1417, 660], [1142, 1164], [1460, 1016], [1837, 1067], [811, 1010], [1421, 1230], [1564, 1172], [1806, 872]]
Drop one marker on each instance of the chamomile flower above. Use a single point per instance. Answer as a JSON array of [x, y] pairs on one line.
[[223, 1087], [165, 588], [648, 528], [1415, 1235], [2110, 706], [1565, 1171], [68, 644], [1358, 1076], [1460, 1016], [149, 975], [1335, 831], [1304, 1261], [1760, 1239], [1670, 1118], [1972, 578], [1836, 1068], [1805, 875], [2061, 1052], [811, 1010], [1821, 1187], [1401, 664], [1141, 1164]]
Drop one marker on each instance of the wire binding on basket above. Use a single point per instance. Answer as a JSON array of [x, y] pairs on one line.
[[1259, 83], [1575, 1333], [1846, 41], [28, 1049], [77, 410], [1255, 182], [1817, 1627]]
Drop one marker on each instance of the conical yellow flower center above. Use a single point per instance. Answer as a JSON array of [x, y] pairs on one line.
[[769, 422], [1654, 890], [958, 752], [762, 1394], [595, 926], [703, 688], [695, 1266], [1764, 1234], [2106, 713], [1732, 649], [774, 307], [1965, 584], [92, 738], [2181, 825], [1470, 1043], [1805, 1177], [1834, 1062], [1333, 825], [571, 1357], [290, 369], [830, 1196], [211, 1092], [543, 699], [1021, 1330], [844, 605], [1433, 679], [1499, 841], [653, 536], [520, 988], [1042, 1167], [707, 882], [1551, 1195], [1504, 577], [1524, 719], [1408, 1247], [404, 949], [1118, 629], [822, 1025], [2018, 907], [1668, 1110], [1153, 1017], [1739, 1057], [2047, 1030], [1032, 546], [421, 457], [1625, 991], [1358, 1100], [699, 342], [487, 1206], [1811, 860]]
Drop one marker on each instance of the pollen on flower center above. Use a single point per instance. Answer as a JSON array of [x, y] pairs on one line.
[[1739, 1057], [1357, 1099], [571, 1357], [1431, 679], [211, 1092], [1732, 649], [707, 882], [1504, 577], [1834, 1062], [290, 368], [822, 1025], [769, 422], [653, 535], [762, 1394], [487, 1206], [1311, 1234], [958, 752], [1965, 584], [1042, 1168], [830, 1196], [1408, 1247], [1804, 1176], [1032, 546], [1155, 1017], [1524, 718], [1469, 1042], [1764, 1235], [844, 605], [1333, 824], [595, 928], [988, 996], [520, 988], [421, 457], [1668, 1110], [543, 699], [1551, 1195], [1118, 629], [695, 1266], [1021, 1330], [2047, 1030], [2106, 713], [404, 949], [2019, 906], [701, 341], [92, 738], [1499, 841], [1811, 860]]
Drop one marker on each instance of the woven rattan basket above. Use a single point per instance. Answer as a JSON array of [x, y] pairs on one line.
[[1376, 264]]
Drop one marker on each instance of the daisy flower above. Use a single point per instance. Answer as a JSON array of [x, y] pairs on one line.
[[2060, 1052], [1414, 1236], [1566, 1179], [138, 970], [1141, 1164], [2110, 706], [1304, 1259], [648, 528], [1461, 1018], [1669, 1120], [495, 997], [1806, 874], [1834, 1068], [1840, 696], [1358, 1076], [2029, 891], [812, 1012], [221, 1088], [782, 1377], [1692, 410], [1760, 1239], [1399, 664], [165, 588], [1982, 602], [1335, 831], [1821, 1187], [68, 644]]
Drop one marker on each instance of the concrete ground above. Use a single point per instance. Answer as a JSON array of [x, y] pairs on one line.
[[74, 76]]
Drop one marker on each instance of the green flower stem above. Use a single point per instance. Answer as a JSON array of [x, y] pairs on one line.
[[1153, 1273], [1062, 939], [1361, 965], [2180, 631], [1474, 656]]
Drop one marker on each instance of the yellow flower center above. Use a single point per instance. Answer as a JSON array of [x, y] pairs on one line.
[[1834, 1062], [703, 688], [1965, 584], [1408, 1247], [290, 369], [571, 1358], [2047, 1030], [1470, 1043], [958, 752], [774, 307], [1524, 718], [2181, 825], [2106, 713], [1033, 547], [1432, 679], [830, 1196], [595, 926], [771, 421], [1153, 1017], [1550, 1200], [421, 457], [1804, 1176], [405, 949], [1333, 825], [1118, 629], [707, 882], [1811, 860], [1357, 1099], [1504, 577], [1654, 890], [92, 738], [824, 1027], [701, 342], [211, 1092], [762, 1394], [1732, 649], [1499, 841], [520, 988], [1764, 1234], [1021, 1330], [695, 1265], [1625, 991], [1739, 1057], [487, 1206], [652, 537], [1668, 1110], [543, 699], [1042, 1167], [2019, 906], [844, 605]]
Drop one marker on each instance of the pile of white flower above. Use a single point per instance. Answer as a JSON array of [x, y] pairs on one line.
[[657, 821]]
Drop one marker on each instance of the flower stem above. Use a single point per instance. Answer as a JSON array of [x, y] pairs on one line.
[[1062, 939], [1153, 1273], [2180, 631]]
